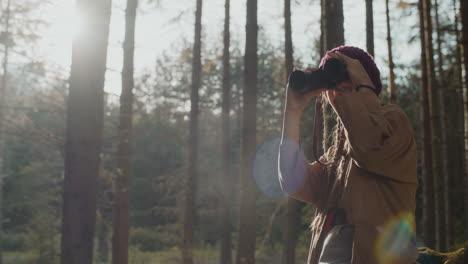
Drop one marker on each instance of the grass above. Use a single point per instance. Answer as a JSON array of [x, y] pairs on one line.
[[207, 255]]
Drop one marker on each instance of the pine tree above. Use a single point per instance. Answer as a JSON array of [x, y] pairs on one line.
[[247, 221], [436, 127], [192, 166], [370, 27], [464, 47], [121, 217], [226, 244], [293, 206], [428, 217], [333, 28], [443, 92], [84, 132], [391, 66], [3, 91]]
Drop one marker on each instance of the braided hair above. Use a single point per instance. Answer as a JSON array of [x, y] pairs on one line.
[[335, 157]]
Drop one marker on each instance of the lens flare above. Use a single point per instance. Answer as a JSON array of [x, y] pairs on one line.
[[396, 241], [265, 168]]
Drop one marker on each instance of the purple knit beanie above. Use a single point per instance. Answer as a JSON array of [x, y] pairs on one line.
[[366, 60]]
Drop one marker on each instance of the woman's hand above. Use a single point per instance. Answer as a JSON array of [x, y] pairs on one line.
[[296, 101], [356, 71]]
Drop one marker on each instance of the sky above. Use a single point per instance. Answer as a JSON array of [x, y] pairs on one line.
[[157, 32]]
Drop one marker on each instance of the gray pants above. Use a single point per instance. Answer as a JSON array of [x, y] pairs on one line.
[[338, 245]]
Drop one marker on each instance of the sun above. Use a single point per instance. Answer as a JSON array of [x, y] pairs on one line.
[[64, 25]]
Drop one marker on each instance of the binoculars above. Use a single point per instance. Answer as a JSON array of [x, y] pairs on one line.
[[328, 76]]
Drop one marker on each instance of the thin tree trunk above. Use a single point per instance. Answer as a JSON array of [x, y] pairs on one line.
[[370, 27], [322, 28], [226, 243], [391, 66], [247, 223], [332, 36], [458, 141], [333, 28], [428, 217], [288, 46], [460, 138], [437, 142], [464, 47], [292, 209], [121, 218], [84, 133], [3, 91], [192, 163], [444, 91]]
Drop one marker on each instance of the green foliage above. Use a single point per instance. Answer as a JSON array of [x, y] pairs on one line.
[[146, 239]]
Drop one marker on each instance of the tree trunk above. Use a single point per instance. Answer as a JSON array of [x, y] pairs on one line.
[[437, 143], [226, 244], [192, 162], [121, 218], [247, 223], [332, 35], [428, 179], [3, 91], [288, 46], [333, 29], [464, 47], [84, 132], [460, 136], [445, 91], [370, 27], [292, 209], [391, 66], [322, 28], [293, 221]]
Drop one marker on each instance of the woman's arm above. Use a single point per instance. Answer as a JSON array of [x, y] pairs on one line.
[[381, 139], [298, 178]]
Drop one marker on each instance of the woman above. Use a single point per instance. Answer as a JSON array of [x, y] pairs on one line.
[[364, 185]]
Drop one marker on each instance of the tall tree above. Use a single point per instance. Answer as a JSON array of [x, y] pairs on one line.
[[436, 127], [370, 27], [464, 47], [391, 66], [444, 91], [3, 91], [459, 141], [333, 28], [226, 244], [428, 179], [332, 35], [84, 132], [121, 218], [247, 221], [192, 166], [292, 209]]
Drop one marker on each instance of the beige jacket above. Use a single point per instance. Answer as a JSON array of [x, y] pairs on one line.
[[381, 181]]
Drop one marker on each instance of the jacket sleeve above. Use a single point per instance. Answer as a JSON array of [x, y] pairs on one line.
[[380, 137], [298, 178]]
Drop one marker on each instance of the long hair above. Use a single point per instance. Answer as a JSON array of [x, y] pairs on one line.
[[335, 157]]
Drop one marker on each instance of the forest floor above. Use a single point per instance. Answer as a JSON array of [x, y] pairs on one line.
[[170, 256]]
